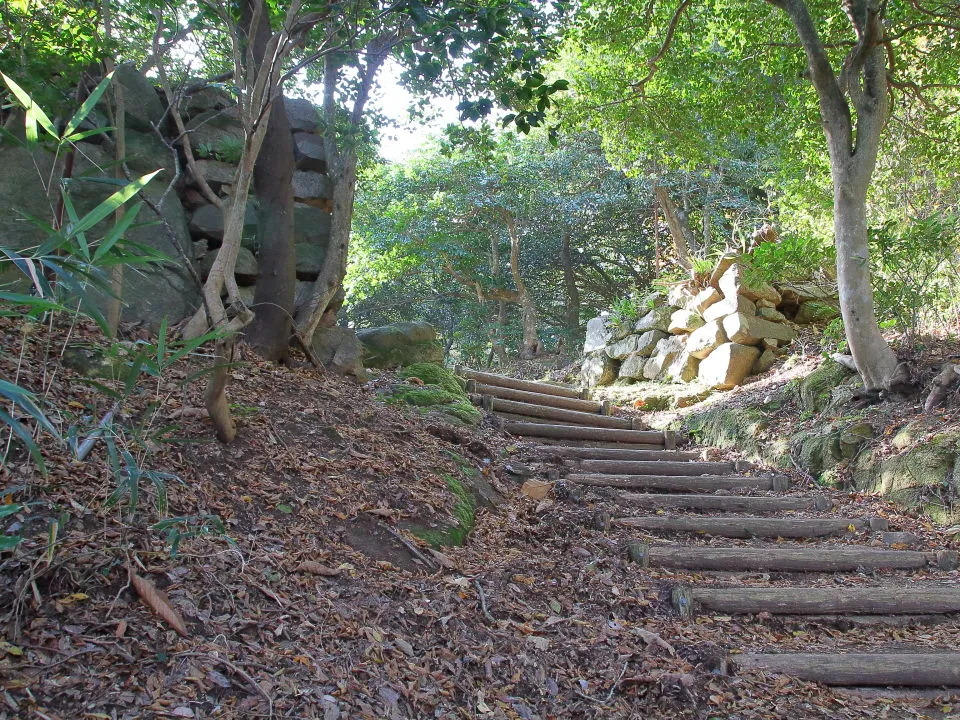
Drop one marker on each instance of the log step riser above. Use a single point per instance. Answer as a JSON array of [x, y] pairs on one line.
[[825, 601], [514, 384], [588, 406], [725, 503], [672, 482], [861, 669], [582, 419], [561, 432], [747, 527]]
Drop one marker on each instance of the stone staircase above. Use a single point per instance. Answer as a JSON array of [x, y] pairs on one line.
[[721, 522]]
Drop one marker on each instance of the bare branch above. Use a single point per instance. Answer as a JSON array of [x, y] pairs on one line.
[[667, 41]]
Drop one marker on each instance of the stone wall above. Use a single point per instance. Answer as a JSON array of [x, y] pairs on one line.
[[178, 221], [715, 333]]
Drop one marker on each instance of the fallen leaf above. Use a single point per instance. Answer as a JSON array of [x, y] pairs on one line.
[[157, 601], [315, 568]]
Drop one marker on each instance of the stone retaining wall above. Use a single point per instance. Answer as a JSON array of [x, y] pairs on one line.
[[716, 333]]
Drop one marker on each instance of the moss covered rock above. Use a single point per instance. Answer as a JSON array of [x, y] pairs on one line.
[[924, 476], [818, 389], [433, 374], [399, 344]]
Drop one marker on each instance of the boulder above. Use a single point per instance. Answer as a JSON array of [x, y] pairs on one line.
[[764, 362], [246, 269], [208, 129], [216, 171], [207, 222], [339, 349], [704, 299], [814, 312], [621, 348], [761, 303], [683, 368], [152, 292], [665, 353], [683, 322], [598, 369], [727, 365], [310, 259], [729, 306], [752, 330], [656, 319], [309, 152], [302, 114], [703, 340], [142, 107], [723, 264], [632, 366], [801, 292], [769, 313], [598, 334], [310, 185], [402, 343], [734, 282], [647, 342], [146, 152], [680, 296], [311, 225], [208, 98]]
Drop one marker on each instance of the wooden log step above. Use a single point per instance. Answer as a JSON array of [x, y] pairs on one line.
[[728, 503], [593, 445], [597, 453], [591, 420], [590, 406], [932, 669], [563, 432], [505, 417], [780, 559], [746, 526], [658, 467], [702, 483], [929, 600], [509, 382]]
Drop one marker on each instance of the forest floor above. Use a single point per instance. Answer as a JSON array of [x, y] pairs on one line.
[[317, 602]]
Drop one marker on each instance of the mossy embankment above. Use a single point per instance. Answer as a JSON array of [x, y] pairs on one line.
[[809, 424], [434, 391]]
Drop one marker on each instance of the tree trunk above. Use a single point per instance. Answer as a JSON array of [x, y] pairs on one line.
[[853, 157], [342, 166], [874, 358], [312, 304], [528, 310], [572, 309], [269, 334], [679, 230]]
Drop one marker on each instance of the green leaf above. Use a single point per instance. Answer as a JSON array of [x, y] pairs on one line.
[[34, 113], [7, 510], [9, 542], [25, 400], [113, 202], [117, 231], [25, 437], [84, 110]]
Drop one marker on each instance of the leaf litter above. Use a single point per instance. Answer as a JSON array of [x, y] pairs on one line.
[[323, 604]]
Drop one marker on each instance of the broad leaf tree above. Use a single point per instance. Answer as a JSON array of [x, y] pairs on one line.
[[707, 74]]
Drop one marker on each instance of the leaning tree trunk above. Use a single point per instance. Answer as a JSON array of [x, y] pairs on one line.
[[342, 166], [679, 229]]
